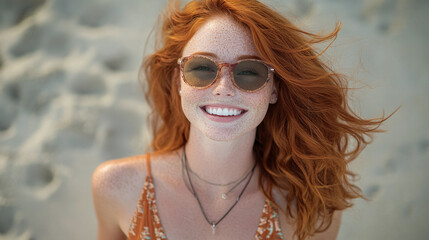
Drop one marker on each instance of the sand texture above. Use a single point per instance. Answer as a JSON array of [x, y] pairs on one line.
[[70, 99]]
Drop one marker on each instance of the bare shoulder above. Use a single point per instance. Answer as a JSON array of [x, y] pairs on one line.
[[126, 175], [118, 175], [332, 232], [115, 185], [288, 226]]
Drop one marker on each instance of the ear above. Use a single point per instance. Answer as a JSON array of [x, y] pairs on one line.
[[274, 94]]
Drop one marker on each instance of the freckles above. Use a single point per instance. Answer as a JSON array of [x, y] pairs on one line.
[[238, 39], [191, 99], [189, 96], [224, 37]]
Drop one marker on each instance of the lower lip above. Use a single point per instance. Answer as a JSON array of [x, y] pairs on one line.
[[217, 118]]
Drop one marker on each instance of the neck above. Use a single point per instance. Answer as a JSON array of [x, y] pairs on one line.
[[220, 161]]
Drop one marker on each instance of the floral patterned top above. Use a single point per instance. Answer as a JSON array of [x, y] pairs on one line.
[[146, 225]]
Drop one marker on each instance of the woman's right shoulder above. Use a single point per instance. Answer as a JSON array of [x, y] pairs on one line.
[[115, 187], [116, 180], [121, 166], [116, 174], [124, 177]]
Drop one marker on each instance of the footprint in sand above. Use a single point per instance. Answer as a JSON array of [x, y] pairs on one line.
[[38, 175], [404, 158], [29, 42], [383, 12], [16, 11], [303, 7], [121, 129], [116, 62], [88, 84], [423, 146], [37, 92], [48, 37], [8, 110], [77, 134], [12, 226], [371, 191], [11, 90], [95, 16], [7, 219]]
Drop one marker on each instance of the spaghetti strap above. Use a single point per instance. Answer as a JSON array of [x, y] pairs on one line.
[[148, 165]]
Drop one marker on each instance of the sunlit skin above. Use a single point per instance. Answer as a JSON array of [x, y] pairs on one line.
[[223, 142]]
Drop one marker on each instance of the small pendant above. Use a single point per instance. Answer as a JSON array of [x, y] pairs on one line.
[[224, 196], [213, 228]]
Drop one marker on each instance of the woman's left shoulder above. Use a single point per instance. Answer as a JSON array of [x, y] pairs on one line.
[[332, 231], [288, 226]]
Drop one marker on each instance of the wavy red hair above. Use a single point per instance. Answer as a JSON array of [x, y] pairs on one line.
[[306, 139]]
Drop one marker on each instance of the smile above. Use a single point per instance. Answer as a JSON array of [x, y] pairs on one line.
[[222, 111]]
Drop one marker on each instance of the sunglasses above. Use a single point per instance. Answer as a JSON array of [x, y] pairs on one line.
[[201, 72]]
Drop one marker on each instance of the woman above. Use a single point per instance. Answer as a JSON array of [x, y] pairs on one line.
[[252, 134]]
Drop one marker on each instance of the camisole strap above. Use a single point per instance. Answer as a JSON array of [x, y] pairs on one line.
[[148, 165], [145, 224]]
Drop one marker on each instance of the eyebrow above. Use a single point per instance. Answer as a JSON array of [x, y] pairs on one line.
[[239, 58]]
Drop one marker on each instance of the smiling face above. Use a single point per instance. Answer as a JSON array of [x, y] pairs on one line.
[[223, 112]]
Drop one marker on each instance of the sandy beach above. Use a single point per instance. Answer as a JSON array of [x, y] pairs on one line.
[[70, 99]]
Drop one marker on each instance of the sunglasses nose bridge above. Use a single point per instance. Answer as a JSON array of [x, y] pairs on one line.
[[228, 69], [221, 65], [224, 82]]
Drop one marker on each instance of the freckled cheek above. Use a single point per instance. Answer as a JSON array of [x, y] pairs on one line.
[[261, 98], [191, 99], [259, 103]]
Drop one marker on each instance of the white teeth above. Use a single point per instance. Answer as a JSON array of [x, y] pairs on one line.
[[223, 111]]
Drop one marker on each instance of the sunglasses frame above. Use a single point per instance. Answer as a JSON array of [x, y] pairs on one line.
[[181, 61]]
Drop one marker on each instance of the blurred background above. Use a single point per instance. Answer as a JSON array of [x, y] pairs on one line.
[[70, 99]]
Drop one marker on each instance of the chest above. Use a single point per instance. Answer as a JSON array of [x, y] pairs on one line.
[[182, 217]]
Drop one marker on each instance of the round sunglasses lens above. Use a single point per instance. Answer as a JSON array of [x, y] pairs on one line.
[[250, 75], [199, 71]]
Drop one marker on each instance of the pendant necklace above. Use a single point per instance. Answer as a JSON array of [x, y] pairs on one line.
[[212, 223]]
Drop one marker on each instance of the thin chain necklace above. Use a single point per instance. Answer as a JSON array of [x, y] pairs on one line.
[[213, 223], [224, 195], [238, 180]]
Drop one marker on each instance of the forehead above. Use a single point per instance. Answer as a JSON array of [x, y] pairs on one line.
[[224, 37]]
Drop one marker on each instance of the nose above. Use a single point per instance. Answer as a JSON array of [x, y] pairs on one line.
[[223, 85]]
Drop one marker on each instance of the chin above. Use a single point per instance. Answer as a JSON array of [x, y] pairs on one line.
[[221, 137], [225, 135]]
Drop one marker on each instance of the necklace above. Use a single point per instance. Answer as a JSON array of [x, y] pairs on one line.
[[238, 180], [224, 196], [213, 223]]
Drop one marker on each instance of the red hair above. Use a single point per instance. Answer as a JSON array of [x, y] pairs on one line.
[[303, 144]]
